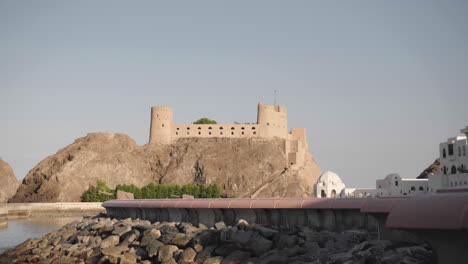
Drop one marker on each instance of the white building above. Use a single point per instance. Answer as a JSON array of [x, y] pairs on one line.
[[453, 173]]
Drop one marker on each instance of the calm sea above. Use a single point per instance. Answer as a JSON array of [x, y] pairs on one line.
[[20, 230]]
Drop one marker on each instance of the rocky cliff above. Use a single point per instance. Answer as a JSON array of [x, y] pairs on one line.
[[241, 167], [8, 181], [433, 168]]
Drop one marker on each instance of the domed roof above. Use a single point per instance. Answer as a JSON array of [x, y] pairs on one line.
[[330, 176]]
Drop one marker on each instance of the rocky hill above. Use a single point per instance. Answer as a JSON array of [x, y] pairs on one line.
[[241, 167], [9, 183], [433, 168]]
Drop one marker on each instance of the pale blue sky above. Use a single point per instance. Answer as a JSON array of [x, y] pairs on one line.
[[377, 84]]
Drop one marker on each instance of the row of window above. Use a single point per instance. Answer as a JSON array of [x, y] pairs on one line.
[[453, 170], [220, 128], [461, 151], [220, 133], [455, 184]]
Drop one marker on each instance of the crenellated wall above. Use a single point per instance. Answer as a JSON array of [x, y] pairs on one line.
[[272, 122]]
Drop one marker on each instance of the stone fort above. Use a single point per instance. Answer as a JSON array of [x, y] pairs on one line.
[[272, 122]]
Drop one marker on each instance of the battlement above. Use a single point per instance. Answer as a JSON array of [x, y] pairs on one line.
[[271, 122]]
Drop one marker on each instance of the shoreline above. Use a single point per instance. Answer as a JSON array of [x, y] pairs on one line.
[[102, 239]]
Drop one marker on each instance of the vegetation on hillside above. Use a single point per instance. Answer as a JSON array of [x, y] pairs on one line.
[[205, 120], [100, 192]]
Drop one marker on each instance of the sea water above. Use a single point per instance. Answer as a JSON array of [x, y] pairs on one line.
[[20, 230]]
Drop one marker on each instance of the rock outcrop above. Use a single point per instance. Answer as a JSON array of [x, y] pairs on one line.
[[433, 168], [8, 181], [106, 240], [241, 167]]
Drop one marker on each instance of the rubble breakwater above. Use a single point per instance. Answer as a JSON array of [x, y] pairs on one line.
[[101, 239]]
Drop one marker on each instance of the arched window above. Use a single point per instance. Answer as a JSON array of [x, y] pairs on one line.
[[333, 194], [445, 170], [412, 188], [199, 133], [444, 154], [221, 133], [323, 194], [232, 128], [242, 132], [188, 128], [162, 125], [253, 128], [209, 133], [459, 151], [232, 133], [177, 128], [177, 133], [254, 133], [209, 127], [453, 170], [199, 127], [242, 128], [421, 188], [221, 128], [396, 183]]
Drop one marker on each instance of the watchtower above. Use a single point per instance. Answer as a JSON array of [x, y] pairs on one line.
[[162, 123], [272, 120]]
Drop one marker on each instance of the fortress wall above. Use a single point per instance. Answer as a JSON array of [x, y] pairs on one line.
[[216, 130]]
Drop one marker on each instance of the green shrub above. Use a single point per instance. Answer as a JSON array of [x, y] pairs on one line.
[[150, 191], [205, 120], [95, 193]]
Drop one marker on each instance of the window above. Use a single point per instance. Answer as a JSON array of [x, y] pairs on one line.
[[464, 151], [268, 124], [450, 149], [396, 183], [451, 184], [453, 170], [188, 133], [242, 132], [177, 128], [459, 151], [162, 125], [221, 133], [177, 133], [421, 188], [443, 153], [412, 188], [199, 128], [209, 133], [209, 127], [254, 133], [199, 133], [232, 128], [232, 133], [242, 128], [221, 128], [253, 128], [188, 128]]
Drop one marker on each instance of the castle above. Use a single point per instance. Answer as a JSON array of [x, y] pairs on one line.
[[272, 122]]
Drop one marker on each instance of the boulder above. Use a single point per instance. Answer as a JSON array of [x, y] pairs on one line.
[[8, 180], [165, 252]]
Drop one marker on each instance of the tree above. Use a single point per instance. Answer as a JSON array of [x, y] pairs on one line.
[[205, 120]]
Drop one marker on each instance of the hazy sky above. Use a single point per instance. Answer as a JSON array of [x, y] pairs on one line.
[[377, 84]]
